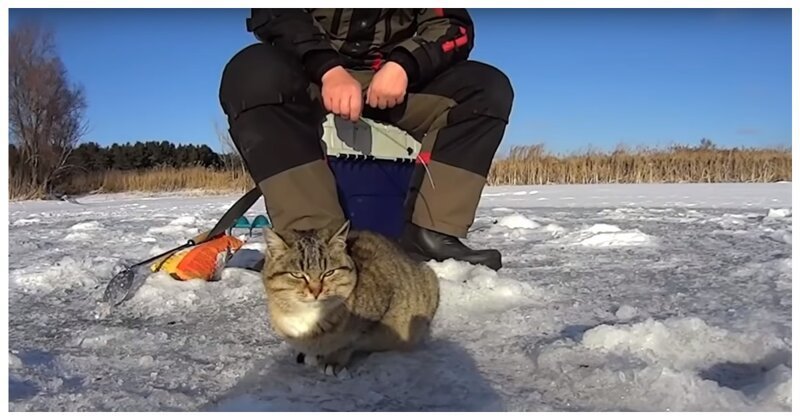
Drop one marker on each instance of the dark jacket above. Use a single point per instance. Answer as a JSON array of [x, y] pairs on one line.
[[423, 41]]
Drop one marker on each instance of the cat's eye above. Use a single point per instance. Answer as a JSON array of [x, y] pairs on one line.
[[332, 272], [299, 276]]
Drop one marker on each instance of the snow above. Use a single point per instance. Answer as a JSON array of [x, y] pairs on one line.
[[617, 239], [25, 222], [93, 225], [612, 297], [517, 221], [184, 220], [779, 213], [626, 312], [687, 196], [685, 354]]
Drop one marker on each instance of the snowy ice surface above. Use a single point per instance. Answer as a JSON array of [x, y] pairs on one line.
[[612, 297], [517, 221]]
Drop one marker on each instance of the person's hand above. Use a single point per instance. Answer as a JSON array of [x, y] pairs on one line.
[[388, 87], [341, 93]]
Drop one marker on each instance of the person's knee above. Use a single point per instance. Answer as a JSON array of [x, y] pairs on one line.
[[497, 94], [259, 74]]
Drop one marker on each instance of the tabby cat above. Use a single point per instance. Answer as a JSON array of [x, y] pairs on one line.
[[332, 293]]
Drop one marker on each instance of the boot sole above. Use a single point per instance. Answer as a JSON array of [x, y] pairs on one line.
[[417, 255]]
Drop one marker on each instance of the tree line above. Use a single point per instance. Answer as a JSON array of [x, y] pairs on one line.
[[91, 157]]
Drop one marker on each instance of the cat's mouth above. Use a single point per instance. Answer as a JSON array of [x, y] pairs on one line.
[[323, 302]]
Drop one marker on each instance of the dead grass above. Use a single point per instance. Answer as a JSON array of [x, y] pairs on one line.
[[19, 190], [161, 180], [531, 165], [526, 165]]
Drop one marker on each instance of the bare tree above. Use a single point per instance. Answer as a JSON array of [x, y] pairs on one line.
[[231, 158], [45, 110]]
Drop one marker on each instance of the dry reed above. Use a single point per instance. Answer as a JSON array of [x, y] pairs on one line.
[[524, 165], [531, 165], [162, 180]]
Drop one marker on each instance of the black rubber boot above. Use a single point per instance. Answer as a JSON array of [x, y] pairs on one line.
[[429, 245]]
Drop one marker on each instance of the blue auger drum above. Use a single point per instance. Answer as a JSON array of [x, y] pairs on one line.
[[372, 164]]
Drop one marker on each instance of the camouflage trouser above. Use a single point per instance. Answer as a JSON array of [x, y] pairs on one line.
[[275, 117]]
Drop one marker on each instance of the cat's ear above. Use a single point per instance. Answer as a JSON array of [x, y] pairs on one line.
[[275, 244], [340, 237]]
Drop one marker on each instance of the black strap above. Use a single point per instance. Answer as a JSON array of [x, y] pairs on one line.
[[236, 211]]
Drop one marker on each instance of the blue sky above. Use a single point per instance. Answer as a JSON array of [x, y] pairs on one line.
[[583, 78]]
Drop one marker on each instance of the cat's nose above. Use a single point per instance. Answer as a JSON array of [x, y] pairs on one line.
[[315, 289]]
